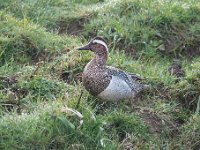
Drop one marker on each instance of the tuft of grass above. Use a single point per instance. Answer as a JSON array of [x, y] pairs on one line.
[[50, 129], [188, 90], [119, 124], [189, 137], [43, 88]]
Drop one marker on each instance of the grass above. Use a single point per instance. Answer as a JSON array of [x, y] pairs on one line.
[[40, 74], [147, 27]]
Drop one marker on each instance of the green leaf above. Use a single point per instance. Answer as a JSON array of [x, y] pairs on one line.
[[66, 122]]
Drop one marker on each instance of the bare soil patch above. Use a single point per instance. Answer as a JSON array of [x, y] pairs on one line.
[[177, 44], [159, 122], [72, 26]]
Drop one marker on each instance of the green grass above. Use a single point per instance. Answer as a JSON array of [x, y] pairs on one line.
[[40, 74], [19, 40], [148, 27]]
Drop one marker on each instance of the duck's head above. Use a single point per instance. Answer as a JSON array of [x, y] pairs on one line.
[[97, 45]]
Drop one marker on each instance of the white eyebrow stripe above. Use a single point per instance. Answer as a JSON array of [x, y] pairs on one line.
[[102, 43]]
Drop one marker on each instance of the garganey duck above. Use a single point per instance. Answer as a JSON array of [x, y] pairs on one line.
[[106, 82]]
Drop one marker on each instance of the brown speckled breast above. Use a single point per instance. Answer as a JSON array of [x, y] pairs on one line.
[[95, 80]]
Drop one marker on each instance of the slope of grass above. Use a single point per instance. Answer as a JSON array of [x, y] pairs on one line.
[[20, 42], [40, 74], [54, 15], [150, 27]]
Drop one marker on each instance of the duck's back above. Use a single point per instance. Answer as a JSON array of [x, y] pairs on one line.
[[121, 86], [131, 80], [117, 90]]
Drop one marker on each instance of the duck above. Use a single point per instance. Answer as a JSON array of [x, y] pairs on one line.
[[106, 82]]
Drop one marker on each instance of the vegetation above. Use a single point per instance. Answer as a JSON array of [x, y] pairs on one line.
[[40, 74]]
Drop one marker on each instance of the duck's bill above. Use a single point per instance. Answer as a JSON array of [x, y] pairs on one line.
[[86, 47]]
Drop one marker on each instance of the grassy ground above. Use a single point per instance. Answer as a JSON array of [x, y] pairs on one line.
[[40, 74]]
